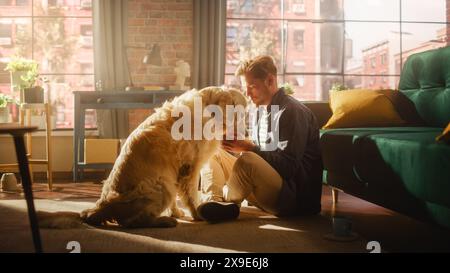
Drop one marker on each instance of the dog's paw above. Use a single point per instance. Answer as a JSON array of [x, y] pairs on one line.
[[177, 213], [91, 217], [195, 216], [165, 221], [85, 214]]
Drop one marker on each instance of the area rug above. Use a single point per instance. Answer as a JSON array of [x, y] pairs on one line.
[[254, 231]]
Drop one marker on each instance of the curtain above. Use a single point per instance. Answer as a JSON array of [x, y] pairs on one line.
[[209, 43], [110, 62]]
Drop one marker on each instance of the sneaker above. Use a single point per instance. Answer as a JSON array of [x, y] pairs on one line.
[[216, 211]]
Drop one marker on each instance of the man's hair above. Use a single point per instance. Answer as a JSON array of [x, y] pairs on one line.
[[259, 67]]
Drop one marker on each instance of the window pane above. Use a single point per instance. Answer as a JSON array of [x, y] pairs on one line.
[[313, 9], [374, 53], [372, 82], [5, 81], [250, 38], [379, 10], [235, 82], [312, 87], [417, 37], [63, 8], [232, 81], [15, 38], [61, 88], [15, 8], [314, 47], [270, 9], [63, 45], [433, 11]]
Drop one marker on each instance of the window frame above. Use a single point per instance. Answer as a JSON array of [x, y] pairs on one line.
[[32, 17], [342, 74]]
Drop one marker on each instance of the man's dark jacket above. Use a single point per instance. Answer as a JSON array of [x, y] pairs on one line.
[[296, 156]]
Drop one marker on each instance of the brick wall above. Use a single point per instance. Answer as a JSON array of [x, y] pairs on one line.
[[168, 23]]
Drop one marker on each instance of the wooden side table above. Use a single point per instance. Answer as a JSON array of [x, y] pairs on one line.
[[25, 119], [18, 131]]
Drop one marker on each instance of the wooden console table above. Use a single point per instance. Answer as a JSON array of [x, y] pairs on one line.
[[108, 100]]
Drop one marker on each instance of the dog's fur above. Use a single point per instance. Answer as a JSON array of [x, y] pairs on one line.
[[152, 168]]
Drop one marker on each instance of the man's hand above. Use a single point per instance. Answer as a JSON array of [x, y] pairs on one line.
[[238, 146]]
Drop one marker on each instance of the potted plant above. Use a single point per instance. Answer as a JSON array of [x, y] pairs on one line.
[[32, 91], [5, 100], [338, 87], [287, 87], [18, 67]]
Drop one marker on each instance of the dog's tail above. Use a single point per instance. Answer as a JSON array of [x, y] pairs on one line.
[[60, 219]]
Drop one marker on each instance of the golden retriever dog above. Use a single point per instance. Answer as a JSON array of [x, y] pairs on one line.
[[153, 167]]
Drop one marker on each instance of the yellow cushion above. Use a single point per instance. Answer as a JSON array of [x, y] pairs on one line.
[[445, 136], [361, 108]]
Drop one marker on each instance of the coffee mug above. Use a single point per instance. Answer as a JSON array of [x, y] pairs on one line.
[[342, 226], [9, 182]]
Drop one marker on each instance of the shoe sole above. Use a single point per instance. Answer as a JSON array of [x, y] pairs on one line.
[[215, 212]]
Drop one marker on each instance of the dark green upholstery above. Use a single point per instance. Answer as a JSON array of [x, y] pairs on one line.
[[425, 79], [420, 164], [400, 168], [341, 150]]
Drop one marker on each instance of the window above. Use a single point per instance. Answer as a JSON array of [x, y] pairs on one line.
[[86, 35], [383, 59], [358, 43], [22, 2], [299, 39], [86, 4], [373, 62], [5, 33], [58, 35], [247, 6], [301, 80], [54, 3], [298, 6]]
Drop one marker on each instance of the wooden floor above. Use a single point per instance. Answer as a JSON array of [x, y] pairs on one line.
[[394, 232]]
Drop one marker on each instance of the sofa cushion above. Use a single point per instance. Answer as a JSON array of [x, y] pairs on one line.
[[425, 79], [359, 107], [414, 158]]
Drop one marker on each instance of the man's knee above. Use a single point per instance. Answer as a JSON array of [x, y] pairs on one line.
[[245, 162], [215, 157]]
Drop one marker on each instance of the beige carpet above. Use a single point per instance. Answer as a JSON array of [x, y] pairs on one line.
[[254, 231]]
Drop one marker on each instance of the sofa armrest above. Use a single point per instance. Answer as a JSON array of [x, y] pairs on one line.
[[320, 109]]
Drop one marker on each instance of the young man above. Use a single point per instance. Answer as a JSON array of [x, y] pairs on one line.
[[284, 180]]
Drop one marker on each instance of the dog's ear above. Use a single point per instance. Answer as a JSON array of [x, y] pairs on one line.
[[215, 96], [223, 99], [219, 96], [238, 97], [208, 94]]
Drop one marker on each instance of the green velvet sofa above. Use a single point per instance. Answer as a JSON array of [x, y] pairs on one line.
[[400, 168]]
